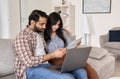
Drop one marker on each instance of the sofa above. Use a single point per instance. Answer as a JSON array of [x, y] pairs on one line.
[[96, 57], [112, 47], [7, 59]]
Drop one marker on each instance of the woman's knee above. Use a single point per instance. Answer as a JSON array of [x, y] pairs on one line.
[[81, 71]]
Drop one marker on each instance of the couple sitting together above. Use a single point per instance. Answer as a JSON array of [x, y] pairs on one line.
[[42, 43]]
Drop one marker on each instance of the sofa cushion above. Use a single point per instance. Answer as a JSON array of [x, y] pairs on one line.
[[12, 76], [114, 36], [114, 45], [6, 57], [98, 53]]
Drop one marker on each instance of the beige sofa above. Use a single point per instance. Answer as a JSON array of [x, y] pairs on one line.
[[99, 58]]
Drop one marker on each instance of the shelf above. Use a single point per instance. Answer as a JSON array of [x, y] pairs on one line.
[[67, 13]]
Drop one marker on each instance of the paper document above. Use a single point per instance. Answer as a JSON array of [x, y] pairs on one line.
[[74, 43]]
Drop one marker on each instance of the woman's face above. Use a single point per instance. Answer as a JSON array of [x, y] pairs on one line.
[[56, 26]]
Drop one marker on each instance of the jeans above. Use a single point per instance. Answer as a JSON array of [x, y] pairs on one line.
[[80, 73], [41, 72]]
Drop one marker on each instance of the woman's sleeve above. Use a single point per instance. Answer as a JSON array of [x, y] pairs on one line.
[[67, 37]]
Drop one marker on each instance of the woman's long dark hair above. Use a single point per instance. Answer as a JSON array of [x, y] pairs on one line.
[[53, 18]]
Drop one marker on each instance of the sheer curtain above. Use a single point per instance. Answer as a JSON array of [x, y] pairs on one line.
[[87, 29], [9, 19], [4, 19]]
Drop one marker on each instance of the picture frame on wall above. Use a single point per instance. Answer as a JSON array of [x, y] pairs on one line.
[[96, 6]]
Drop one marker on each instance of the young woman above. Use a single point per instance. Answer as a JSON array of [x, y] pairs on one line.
[[56, 37]]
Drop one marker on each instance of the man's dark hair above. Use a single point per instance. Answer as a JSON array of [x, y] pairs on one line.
[[35, 15]]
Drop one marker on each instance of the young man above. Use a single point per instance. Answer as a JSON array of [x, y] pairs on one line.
[[30, 54]]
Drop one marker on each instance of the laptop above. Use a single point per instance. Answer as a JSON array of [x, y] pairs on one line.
[[75, 58]]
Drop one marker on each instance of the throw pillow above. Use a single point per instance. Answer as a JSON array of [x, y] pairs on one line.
[[97, 53], [114, 35]]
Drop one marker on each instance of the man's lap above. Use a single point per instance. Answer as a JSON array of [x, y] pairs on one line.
[[41, 72]]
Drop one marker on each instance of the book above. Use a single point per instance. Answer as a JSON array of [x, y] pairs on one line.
[[74, 43]]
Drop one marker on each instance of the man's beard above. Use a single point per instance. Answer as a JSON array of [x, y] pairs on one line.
[[37, 29]]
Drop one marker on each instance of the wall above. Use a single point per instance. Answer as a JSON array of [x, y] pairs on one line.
[[10, 15], [78, 6], [27, 6], [14, 18], [104, 22], [101, 22]]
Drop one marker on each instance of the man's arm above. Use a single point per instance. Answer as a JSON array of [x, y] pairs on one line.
[[24, 52], [59, 53]]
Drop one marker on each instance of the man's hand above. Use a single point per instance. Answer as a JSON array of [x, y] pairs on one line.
[[59, 57], [59, 53]]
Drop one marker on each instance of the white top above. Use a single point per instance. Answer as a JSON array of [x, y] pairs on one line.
[[39, 50]]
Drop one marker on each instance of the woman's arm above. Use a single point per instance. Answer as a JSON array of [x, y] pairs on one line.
[[67, 36]]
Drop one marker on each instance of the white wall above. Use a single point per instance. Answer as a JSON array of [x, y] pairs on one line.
[[104, 22], [27, 6], [44, 5], [10, 14], [78, 11], [14, 18], [101, 22]]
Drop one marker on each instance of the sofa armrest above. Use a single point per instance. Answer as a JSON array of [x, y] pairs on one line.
[[103, 39], [108, 62]]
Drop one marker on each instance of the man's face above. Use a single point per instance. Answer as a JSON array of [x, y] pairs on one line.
[[41, 24]]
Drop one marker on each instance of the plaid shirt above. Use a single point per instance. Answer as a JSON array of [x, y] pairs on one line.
[[25, 44]]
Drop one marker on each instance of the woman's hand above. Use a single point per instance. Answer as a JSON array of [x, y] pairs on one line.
[[59, 57], [59, 52], [77, 45]]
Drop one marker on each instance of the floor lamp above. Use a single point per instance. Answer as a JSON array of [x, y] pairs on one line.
[[86, 29]]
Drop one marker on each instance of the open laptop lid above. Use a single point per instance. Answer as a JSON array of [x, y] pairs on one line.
[[75, 58]]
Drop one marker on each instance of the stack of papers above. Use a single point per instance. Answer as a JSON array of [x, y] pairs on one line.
[[74, 43]]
